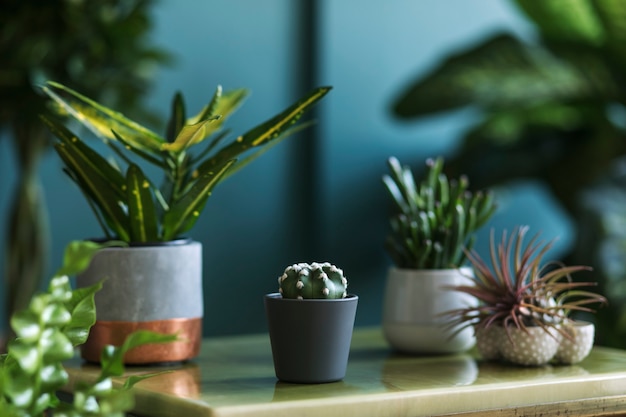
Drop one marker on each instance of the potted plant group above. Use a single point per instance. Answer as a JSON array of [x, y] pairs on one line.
[[523, 314], [432, 223], [310, 321], [156, 282]]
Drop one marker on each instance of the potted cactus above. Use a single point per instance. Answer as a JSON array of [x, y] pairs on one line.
[[524, 306], [431, 225], [155, 282], [311, 319]]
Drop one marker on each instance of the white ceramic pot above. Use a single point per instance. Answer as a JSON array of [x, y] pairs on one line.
[[156, 288], [533, 347], [413, 304], [578, 344], [488, 342]]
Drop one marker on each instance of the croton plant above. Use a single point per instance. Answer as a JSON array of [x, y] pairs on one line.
[[192, 158]]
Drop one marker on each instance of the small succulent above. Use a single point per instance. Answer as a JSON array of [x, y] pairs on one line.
[[517, 291], [435, 220], [191, 157], [316, 280]]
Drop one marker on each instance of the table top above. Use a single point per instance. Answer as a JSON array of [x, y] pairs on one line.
[[234, 376]]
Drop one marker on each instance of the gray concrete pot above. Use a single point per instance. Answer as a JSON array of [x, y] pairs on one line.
[[155, 287], [310, 338]]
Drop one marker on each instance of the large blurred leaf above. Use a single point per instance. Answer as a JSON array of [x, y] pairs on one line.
[[612, 14], [501, 72], [565, 20]]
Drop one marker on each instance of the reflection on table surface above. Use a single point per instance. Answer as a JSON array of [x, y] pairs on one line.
[[238, 371]]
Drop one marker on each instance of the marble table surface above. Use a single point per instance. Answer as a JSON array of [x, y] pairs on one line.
[[234, 376]]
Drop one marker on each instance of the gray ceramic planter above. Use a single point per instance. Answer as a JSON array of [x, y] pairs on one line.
[[310, 338], [156, 288]]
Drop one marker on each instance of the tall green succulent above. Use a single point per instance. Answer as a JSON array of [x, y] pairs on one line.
[[129, 205], [434, 220]]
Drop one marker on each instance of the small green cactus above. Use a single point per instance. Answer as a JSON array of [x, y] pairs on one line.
[[434, 220], [312, 281]]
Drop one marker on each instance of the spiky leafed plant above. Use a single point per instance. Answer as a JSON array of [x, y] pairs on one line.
[[129, 205], [518, 290], [433, 221]]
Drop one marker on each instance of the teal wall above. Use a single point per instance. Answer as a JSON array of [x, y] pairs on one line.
[[317, 196]]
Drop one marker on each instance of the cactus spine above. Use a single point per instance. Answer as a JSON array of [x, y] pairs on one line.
[[434, 220], [316, 280]]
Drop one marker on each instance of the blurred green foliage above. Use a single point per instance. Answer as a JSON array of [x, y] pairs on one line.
[[552, 108], [99, 47]]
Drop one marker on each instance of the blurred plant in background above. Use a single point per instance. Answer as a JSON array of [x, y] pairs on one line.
[[100, 48], [552, 109]]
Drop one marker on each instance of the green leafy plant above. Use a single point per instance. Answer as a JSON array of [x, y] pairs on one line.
[[315, 280], [434, 220], [519, 291], [134, 208], [47, 331]]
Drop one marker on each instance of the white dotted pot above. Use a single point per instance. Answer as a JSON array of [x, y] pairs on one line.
[[578, 343], [412, 310], [535, 346], [488, 342]]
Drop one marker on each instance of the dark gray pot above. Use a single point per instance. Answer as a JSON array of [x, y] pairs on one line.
[[310, 338]]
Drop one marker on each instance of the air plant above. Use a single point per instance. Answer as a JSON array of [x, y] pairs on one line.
[[519, 291]]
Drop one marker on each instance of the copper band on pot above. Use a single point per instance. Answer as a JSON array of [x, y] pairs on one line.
[[103, 333]]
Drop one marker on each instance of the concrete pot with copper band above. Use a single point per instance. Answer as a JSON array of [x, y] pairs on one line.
[[149, 287]]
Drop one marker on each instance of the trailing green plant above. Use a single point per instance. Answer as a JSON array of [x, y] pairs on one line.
[[434, 220], [518, 290], [47, 331], [303, 281], [134, 208]]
